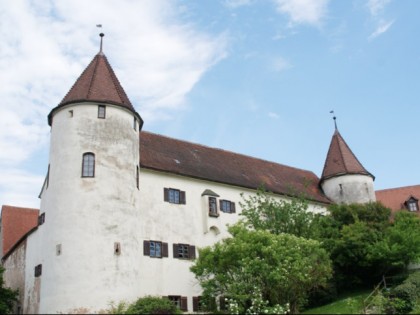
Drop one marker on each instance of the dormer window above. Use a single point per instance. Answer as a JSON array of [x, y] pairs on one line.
[[412, 204], [101, 111]]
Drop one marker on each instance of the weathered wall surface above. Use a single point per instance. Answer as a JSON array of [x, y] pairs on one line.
[[14, 274], [179, 223], [349, 189], [86, 216]]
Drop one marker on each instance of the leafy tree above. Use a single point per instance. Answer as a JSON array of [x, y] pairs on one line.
[[284, 268], [7, 296], [152, 305], [263, 212]]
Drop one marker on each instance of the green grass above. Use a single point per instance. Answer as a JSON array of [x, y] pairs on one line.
[[351, 303]]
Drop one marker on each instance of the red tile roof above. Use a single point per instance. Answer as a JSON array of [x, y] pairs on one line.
[[341, 160], [197, 161], [97, 83], [15, 223], [395, 198]]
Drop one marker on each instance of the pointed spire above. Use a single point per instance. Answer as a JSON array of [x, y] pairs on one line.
[[341, 160]]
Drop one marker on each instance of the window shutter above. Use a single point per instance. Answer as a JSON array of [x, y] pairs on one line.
[[146, 248], [195, 303], [182, 199], [184, 303], [222, 303], [164, 249], [165, 194], [191, 252], [175, 249], [221, 205], [232, 207]]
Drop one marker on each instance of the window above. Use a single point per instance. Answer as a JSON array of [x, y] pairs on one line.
[[184, 251], [101, 111], [88, 166], [174, 196], [180, 302], [41, 219], [412, 204], [137, 177], [117, 248], [227, 206], [135, 124], [38, 271], [155, 249], [58, 249], [213, 207]]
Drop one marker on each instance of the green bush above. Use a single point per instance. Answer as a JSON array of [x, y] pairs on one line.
[[152, 305]]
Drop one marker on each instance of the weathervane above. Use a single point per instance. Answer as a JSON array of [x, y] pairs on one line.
[[335, 119]]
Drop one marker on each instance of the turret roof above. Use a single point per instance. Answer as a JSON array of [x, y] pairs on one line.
[[97, 83], [341, 160]]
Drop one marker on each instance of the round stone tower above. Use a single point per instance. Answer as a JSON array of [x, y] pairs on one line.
[[344, 179], [89, 242]]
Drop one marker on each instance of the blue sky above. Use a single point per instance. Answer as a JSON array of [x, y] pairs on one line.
[[257, 77]]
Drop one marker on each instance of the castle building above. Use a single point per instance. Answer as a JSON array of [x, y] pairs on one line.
[[124, 211]]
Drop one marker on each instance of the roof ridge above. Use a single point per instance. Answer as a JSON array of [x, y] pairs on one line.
[[398, 188], [96, 59], [228, 151]]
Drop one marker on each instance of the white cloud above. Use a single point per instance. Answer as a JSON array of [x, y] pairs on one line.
[[237, 3], [377, 6], [46, 45], [381, 29], [303, 11], [280, 64], [273, 115]]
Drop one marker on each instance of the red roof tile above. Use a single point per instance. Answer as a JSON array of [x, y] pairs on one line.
[[193, 160], [341, 160], [395, 198], [97, 83], [15, 223]]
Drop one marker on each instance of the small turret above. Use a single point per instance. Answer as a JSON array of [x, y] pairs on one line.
[[344, 179]]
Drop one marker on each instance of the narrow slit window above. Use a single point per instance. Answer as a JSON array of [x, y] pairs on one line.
[[137, 177], [101, 111], [88, 166], [135, 124]]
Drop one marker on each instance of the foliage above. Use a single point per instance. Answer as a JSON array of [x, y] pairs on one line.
[[7, 296], [284, 267], [152, 305], [354, 236], [262, 212], [120, 308]]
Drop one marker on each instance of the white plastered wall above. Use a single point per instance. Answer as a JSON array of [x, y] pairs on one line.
[[87, 216]]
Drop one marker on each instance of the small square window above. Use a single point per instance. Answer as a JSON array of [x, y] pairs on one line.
[[41, 219], [227, 206], [184, 251], [101, 111], [38, 270], [174, 196]]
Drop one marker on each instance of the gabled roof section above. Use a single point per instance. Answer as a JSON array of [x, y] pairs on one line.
[[15, 223], [183, 158], [341, 160], [395, 198], [97, 83]]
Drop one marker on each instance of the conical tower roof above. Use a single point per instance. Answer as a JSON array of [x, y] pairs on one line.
[[97, 83], [341, 160]]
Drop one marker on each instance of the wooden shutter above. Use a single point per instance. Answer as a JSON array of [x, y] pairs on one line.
[[146, 248], [164, 249], [175, 249], [182, 199], [166, 194], [222, 303], [196, 301], [221, 205], [191, 252], [232, 207], [184, 303]]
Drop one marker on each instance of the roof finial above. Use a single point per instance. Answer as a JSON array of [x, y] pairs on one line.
[[102, 36], [335, 120]]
